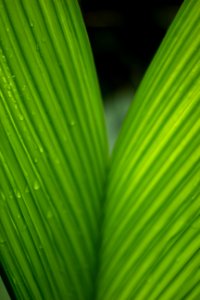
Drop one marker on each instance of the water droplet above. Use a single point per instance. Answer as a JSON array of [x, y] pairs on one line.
[[2, 242], [9, 94], [31, 24], [18, 194], [35, 160], [41, 149], [7, 29], [49, 215], [4, 78], [72, 123], [36, 185], [2, 195], [21, 117]]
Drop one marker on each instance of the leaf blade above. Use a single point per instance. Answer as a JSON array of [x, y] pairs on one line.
[[150, 245], [53, 150]]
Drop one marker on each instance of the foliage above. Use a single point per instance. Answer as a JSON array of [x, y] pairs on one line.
[[73, 223]]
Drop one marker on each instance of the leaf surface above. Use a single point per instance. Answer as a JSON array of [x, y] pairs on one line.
[[53, 150], [151, 232]]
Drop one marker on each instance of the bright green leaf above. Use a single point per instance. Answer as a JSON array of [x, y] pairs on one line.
[[53, 157], [151, 243], [53, 151]]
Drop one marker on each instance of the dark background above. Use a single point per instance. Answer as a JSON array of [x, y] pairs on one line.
[[124, 36]]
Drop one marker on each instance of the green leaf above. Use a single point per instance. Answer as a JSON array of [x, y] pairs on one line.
[[150, 247], [53, 151]]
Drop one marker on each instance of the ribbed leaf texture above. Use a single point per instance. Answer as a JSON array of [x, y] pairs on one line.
[[53, 151], [151, 231], [53, 157]]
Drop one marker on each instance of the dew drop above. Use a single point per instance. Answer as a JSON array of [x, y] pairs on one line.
[[31, 24], [49, 215], [21, 117], [2, 242], [35, 160], [18, 194], [9, 94], [4, 79], [2, 195], [72, 123], [41, 149], [36, 185]]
